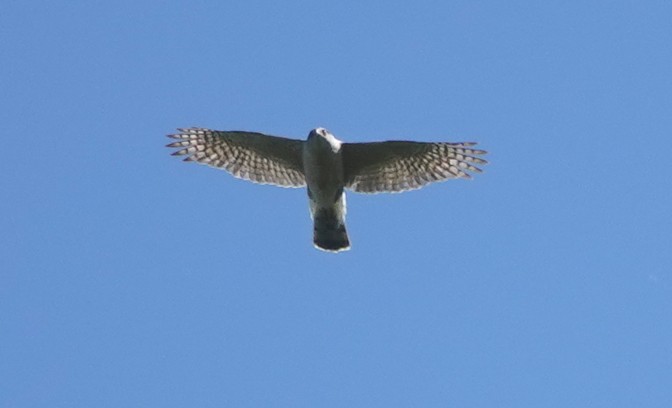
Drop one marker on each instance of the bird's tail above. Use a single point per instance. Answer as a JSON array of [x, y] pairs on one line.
[[329, 232]]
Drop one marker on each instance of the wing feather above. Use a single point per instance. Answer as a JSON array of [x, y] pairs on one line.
[[396, 166], [250, 156]]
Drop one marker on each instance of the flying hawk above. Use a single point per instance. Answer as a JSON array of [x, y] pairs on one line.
[[326, 166]]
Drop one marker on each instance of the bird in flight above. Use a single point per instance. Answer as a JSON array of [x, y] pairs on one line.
[[327, 166]]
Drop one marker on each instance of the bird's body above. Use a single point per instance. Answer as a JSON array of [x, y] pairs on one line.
[[327, 166], [323, 168]]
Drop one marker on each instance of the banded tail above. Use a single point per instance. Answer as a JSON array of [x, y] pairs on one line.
[[329, 232]]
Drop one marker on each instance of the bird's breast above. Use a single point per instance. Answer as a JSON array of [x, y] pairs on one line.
[[323, 168]]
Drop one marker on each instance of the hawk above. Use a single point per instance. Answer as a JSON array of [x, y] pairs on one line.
[[327, 166]]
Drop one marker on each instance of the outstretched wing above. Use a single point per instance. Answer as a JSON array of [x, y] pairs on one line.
[[396, 166], [247, 155]]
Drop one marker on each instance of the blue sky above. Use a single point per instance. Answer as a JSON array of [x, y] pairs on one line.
[[130, 279]]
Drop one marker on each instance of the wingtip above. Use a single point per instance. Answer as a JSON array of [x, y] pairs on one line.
[[180, 152]]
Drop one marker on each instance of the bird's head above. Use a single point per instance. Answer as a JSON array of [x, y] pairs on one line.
[[324, 135], [319, 132]]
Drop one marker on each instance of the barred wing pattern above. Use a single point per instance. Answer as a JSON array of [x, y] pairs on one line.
[[247, 155], [397, 166]]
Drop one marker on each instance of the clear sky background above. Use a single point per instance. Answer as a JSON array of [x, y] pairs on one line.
[[131, 279]]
